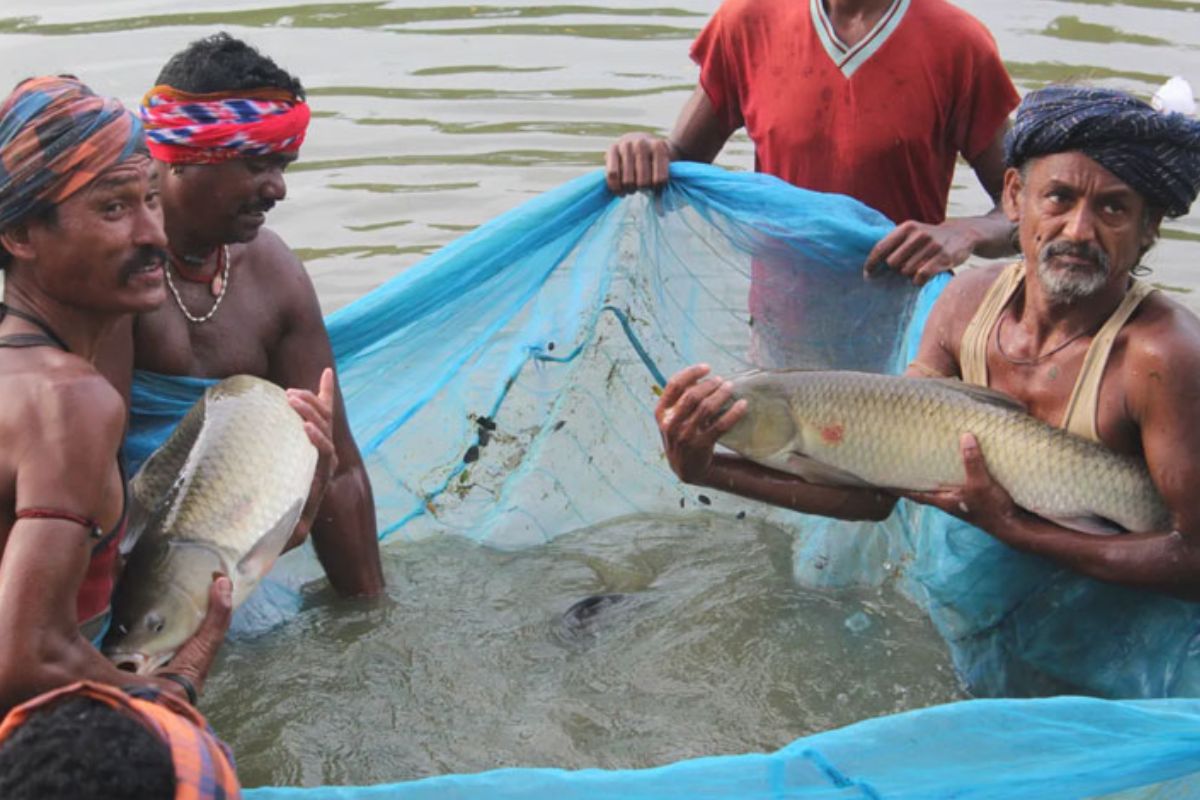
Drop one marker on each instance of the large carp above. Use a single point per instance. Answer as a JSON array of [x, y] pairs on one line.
[[222, 494], [858, 429]]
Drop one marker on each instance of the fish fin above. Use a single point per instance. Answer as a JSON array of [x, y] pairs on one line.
[[1090, 523], [816, 472], [141, 517], [258, 562], [980, 393]]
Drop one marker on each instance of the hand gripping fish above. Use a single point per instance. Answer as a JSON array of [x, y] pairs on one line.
[[222, 495], [902, 433]]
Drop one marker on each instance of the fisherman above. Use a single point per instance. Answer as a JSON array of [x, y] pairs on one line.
[[82, 248], [224, 122], [1069, 331], [848, 96], [89, 740]]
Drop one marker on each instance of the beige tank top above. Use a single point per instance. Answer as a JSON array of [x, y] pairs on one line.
[[1080, 416]]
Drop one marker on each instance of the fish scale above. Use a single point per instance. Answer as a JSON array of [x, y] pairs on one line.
[[222, 494], [846, 428]]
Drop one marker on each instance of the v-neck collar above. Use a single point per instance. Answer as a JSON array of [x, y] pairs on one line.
[[849, 59]]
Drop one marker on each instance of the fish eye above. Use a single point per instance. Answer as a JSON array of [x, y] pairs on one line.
[[155, 622]]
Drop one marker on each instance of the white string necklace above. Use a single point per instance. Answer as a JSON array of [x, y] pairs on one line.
[[223, 255]]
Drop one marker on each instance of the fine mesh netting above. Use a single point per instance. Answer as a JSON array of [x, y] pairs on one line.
[[503, 389]]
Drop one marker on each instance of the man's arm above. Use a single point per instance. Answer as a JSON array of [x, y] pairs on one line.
[[641, 161], [920, 251], [1162, 399], [343, 531], [691, 421], [69, 463]]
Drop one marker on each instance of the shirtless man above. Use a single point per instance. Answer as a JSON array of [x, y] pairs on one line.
[[847, 96], [82, 249], [240, 301], [1092, 173]]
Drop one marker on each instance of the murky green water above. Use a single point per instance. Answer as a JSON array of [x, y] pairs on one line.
[[430, 119], [470, 664]]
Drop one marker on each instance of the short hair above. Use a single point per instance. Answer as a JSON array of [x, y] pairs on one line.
[[221, 63], [47, 215], [80, 747]]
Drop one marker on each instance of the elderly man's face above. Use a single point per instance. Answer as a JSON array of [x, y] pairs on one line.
[[105, 246], [1081, 225], [229, 201]]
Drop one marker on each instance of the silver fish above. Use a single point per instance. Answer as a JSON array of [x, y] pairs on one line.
[[222, 494], [902, 433]]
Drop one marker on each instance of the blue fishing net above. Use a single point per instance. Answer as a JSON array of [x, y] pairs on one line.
[[503, 389], [1059, 748]]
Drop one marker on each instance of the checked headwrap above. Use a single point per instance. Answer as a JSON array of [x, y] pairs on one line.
[[185, 128], [203, 765], [1157, 153], [56, 136]]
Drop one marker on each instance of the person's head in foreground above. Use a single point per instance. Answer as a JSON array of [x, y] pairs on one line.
[[80, 220], [1092, 174], [226, 122], [94, 741]]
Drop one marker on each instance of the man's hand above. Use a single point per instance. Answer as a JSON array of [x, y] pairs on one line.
[[195, 658], [980, 500], [920, 251], [637, 161], [317, 413], [690, 420]]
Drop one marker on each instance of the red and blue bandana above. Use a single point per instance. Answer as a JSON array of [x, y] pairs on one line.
[[56, 137], [185, 128]]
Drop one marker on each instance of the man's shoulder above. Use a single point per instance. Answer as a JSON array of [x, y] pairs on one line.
[[277, 269], [966, 290], [953, 26], [268, 251], [948, 15], [1164, 335], [737, 13], [66, 401]]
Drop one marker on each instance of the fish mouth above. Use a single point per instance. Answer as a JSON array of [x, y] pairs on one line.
[[137, 663], [129, 662]]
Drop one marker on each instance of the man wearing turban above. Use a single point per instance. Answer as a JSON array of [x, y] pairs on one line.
[[82, 247], [223, 123], [1070, 332]]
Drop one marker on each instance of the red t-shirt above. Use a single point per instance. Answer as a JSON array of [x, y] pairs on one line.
[[882, 121]]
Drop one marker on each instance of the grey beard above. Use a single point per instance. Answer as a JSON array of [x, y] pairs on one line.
[[1072, 285]]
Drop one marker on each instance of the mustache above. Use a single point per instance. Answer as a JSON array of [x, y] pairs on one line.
[[1081, 250], [261, 207], [144, 257]]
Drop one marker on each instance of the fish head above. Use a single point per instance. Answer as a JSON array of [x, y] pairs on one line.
[[160, 600], [768, 427]]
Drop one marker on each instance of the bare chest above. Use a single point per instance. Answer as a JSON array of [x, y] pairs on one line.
[[1048, 388], [236, 338]]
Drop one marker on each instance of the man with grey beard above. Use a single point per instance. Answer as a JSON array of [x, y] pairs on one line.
[[1068, 330]]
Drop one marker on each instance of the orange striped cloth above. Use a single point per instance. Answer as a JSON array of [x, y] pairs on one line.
[[57, 136], [203, 764]]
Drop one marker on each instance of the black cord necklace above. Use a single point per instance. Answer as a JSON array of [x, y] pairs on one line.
[[1030, 362]]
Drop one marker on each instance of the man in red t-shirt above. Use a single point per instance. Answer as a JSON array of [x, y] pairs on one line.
[[870, 98]]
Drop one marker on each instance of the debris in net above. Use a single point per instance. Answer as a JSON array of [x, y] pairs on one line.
[[472, 454], [703, 498], [858, 622]]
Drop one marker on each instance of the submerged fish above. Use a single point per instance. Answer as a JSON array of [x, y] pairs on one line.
[[222, 494], [890, 432]]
